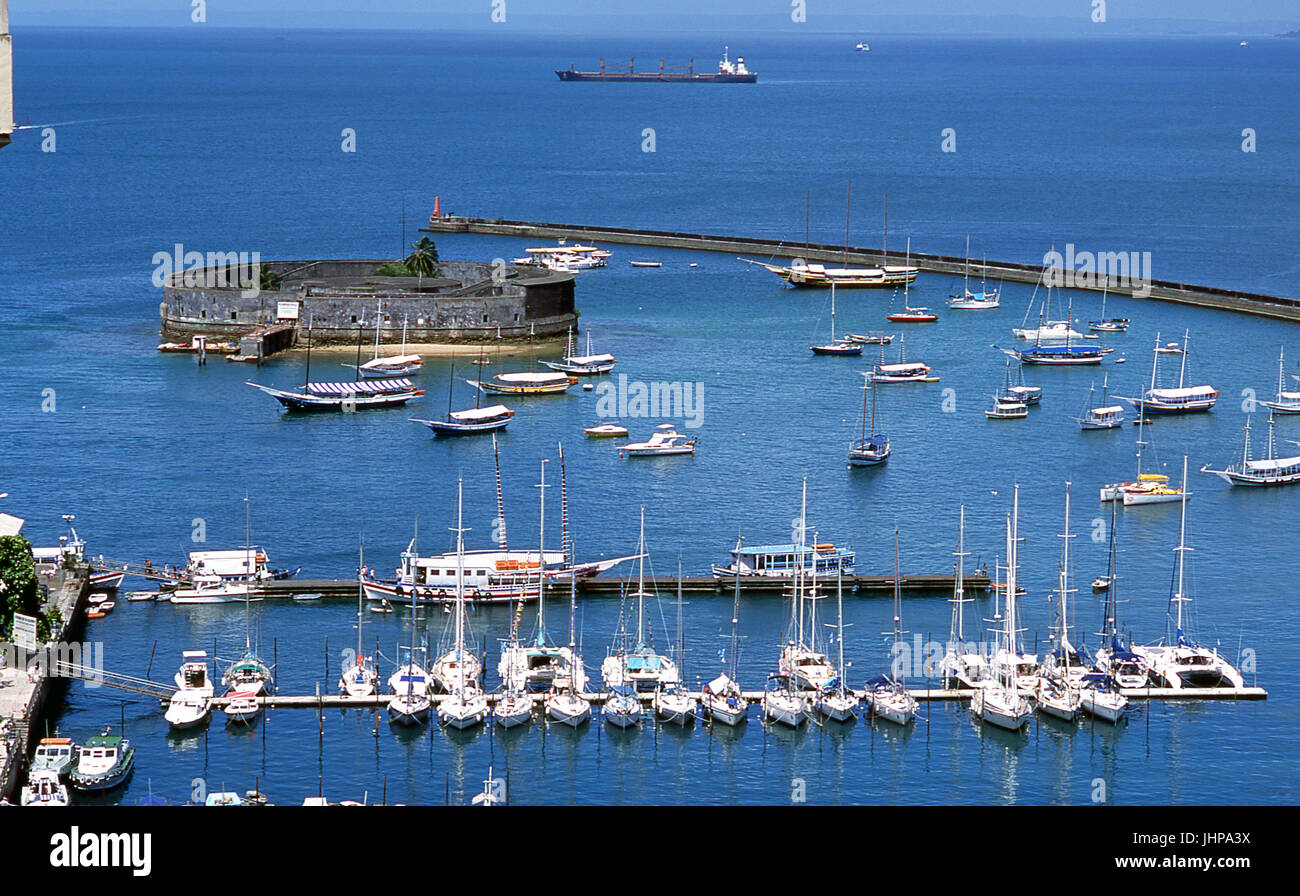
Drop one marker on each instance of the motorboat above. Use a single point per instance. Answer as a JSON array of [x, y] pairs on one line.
[[54, 754], [605, 431], [190, 705], [666, 440], [104, 762], [210, 589], [43, 788]]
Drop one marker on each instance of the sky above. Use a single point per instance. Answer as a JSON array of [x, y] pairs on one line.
[[739, 16]]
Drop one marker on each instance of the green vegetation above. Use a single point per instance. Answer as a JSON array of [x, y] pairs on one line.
[[268, 279], [20, 592], [393, 269], [423, 260]]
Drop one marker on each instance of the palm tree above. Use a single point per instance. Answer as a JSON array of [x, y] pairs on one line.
[[423, 260]]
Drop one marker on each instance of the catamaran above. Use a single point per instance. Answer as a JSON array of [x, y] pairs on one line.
[[1181, 662], [590, 364], [972, 301], [999, 702], [458, 671], [1056, 691], [960, 667], [1181, 400], [1103, 416], [641, 667], [836, 346], [1267, 470], [869, 451], [388, 366], [1283, 402], [887, 695]]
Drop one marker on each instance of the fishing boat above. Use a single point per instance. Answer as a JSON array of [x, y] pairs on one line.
[[836, 346], [1283, 402], [641, 666], [1180, 662], [785, 561], [998, 702], [887, 695], [388, 366], [902, 372], [536, 665], [589, 364], [871, 337], [1108, 324], [43, 788], [57, 755], [961, 667], [605, 431], [104, 762], [1183, 399], [1056, 693], [836, 701], [458, 670], [666, 440], [801, 661], [109, 580], [872, 450], [972, 301], [1103, 416], [721, 699], [1267, 470], [1007, 409], [190, 705], [358, 679], [672, 702], [1112, 660]]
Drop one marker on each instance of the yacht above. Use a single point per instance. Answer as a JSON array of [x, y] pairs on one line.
[[887, 695], [721, 699], [622, 707], [961, 667], [784, 703], [869, 450], [973, 301], [641, 667], [999, 702], [665, 440], [190, 705], [1056, 692], [458, 670]]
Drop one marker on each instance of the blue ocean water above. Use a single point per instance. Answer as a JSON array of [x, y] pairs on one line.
[[225, 141]]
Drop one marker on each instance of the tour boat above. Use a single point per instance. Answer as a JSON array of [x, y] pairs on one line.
[[1181, 662], [961, 667], [803, 273], [1007, 409], [784, 561], [1268, 470], [836, 346], [43, 788], [1019, 391], [887, 695], [869, 450], [1055, 355], [1283, 402], [470, 421], [589, 364], [565, 259], [605, 431], [973, 301], [54, 754], [104, 762], [1180, 400], [1105, 416], [666, 440]]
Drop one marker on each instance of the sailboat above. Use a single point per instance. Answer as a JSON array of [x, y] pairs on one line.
[[389, 365], [1048, 352], [472, 420], [836, 701], [1283, 402], [673, 703], [1103, 416], [1181, 662], [410, 703], [836, 346], [358, 680], [590, 364], [959, 667], [722, 699], [970, 301], [807, 667], [530, 382], [887, 695], [1056, 692], [565, 702], [1267, 470], [1047, 331], [999, 702], [910, 315], [641, 667], [1105, 324], [872, 450], [458, 671], [248, 676], [1113, 666], [1183, 399]]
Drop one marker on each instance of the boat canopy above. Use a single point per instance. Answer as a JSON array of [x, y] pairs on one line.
[[1188, 392], [532, 378], [476, 414], [720, 684], [359, 386], [1108, 411]]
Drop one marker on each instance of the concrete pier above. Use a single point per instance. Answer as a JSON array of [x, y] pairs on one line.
[[761, 249]]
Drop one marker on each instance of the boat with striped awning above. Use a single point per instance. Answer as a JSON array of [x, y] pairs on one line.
[[352, 395]]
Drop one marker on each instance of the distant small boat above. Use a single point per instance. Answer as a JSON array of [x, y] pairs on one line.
[[314, 595], [973, 301], [474, 420], [1100, 584], [871, 337], [1108, 325], [836, 346], [864, 47], [646, 264], [605, 431], [1105, 416], [872, 450], [902, 372]]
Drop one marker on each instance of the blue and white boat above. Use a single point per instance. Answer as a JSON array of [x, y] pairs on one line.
[[874, 449], [1183, 399], [349, 396]]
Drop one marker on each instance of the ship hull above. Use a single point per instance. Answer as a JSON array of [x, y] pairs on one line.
[[669, 77]]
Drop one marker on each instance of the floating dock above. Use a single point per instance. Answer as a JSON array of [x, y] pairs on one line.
[[1161, 290]]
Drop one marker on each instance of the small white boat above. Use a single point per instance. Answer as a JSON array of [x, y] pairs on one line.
[[646, 264], [1105, 416], [973, 301], [389, 366], [902, 372], [622, 707], [874, 449], [845, 347], [566, 706], [666, 440], [605, 431], [998, 702], [722, 701], [242, 707], [887, 695], [466, 707], [783, 703], [871, 337], [190, 706], [43, 788], [1007, 409], [589, 364]]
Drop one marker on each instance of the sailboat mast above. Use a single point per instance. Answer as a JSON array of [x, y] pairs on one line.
[[541, 555], [460, 574], [884, 233], [1065, 573], [1182, 367], [839, 621], [681, 636], [898, 598], [640, 584], [361, 593], [965, 283], [735, 621], [959, 585], [248, 587], [1179, 598]]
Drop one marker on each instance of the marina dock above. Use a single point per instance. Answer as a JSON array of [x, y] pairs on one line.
[[1259, 304]]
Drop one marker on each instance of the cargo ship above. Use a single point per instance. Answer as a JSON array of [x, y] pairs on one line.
[[728, 73]]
